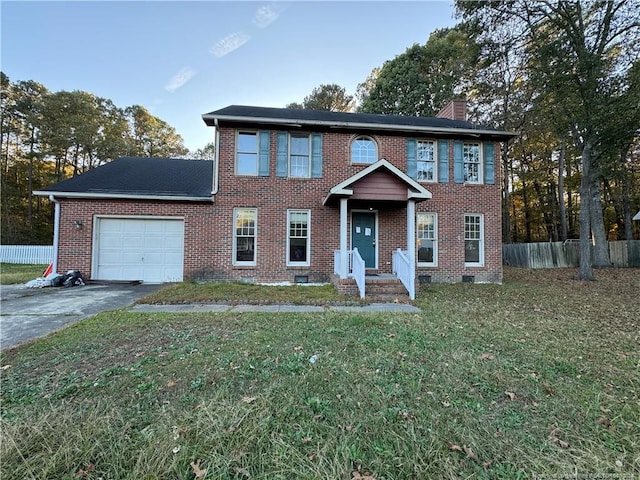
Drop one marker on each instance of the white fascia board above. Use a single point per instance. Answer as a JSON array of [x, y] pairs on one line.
[[118, 196], [358, 125]]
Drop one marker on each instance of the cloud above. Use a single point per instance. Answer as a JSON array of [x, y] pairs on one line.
[[266, 15], [228, 44], [179, 79]]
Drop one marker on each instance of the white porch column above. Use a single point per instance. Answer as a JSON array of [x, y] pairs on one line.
[[411, 230], [411, 245], [343, 238]]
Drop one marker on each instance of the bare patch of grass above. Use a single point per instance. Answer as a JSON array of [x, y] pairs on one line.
[[538, 376], [246, 293]]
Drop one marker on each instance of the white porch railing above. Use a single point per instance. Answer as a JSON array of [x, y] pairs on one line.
[[402, 269], [358, 270], [355, 268]]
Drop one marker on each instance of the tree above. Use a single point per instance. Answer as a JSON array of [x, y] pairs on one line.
[[46, 137], [424, 78], [331, 97], [208, 152], [583, 49], [151, 136]]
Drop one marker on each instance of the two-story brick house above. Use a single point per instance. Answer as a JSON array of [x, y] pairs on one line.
[[292, 195]]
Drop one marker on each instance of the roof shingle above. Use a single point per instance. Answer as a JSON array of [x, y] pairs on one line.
[[139, 176]]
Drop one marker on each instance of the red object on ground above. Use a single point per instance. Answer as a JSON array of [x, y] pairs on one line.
[[48, 270]]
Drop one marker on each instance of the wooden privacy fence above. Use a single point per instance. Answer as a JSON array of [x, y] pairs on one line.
[[625, 253], [36, 254]]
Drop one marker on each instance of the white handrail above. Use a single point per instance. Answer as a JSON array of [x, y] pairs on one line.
[[358, 270], [402, 268]]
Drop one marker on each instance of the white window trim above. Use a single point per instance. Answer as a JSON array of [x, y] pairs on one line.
[[375, 144], [306, 263], [237, 148], [435, 240], [480, 163], [435, 159], [480, 263], [235, 262], [310, 146]]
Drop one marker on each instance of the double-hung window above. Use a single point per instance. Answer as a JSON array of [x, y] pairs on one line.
[[244, 236], [473, 240], [427, 233], [247, 153], [299, 155], [426, 161], [472, 162], [298, 245]]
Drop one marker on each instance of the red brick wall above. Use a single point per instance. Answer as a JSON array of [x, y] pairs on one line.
[[209, 226]]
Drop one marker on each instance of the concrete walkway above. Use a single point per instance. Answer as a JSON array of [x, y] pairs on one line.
[[372, 307]]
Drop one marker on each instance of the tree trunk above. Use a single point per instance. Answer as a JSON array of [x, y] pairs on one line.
[[601, 245], [627, 178], [527, 213], [586, 268], [563, 211]]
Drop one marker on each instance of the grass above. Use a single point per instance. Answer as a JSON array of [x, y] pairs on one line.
[[245, 293], [12, 273], [537, 377]]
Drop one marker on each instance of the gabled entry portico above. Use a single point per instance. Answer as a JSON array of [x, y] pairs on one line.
[[380, 187]]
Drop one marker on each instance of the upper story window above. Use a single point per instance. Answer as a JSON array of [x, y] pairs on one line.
[[299, 155], [252, 152], [364, 150], [247, 153], [472, 162], [426, 161]]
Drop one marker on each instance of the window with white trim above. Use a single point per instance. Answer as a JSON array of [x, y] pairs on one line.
[[472, 162], [247, 153], [299, 155], [426, 161], [473, 240], [364, 150], [244, 236], [427, 239], [298, 244]]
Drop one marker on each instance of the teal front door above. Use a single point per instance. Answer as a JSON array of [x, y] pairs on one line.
[[363, 236]]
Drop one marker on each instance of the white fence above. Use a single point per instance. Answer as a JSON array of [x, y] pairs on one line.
[[35, 254]]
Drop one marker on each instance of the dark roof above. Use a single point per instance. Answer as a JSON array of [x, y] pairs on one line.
[[141, 177], [249, 114]]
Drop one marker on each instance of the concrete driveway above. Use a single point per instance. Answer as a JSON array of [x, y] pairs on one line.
[[26, 313]]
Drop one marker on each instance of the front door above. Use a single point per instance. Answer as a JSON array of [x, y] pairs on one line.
[[363, 236]]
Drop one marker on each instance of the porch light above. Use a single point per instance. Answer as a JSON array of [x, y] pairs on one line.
[[78, 225]]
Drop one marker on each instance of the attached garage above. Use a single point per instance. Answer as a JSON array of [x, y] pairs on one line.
[[133, 248]]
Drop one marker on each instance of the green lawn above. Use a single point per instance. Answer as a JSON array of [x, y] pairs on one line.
[[12, 273], [539, 376]]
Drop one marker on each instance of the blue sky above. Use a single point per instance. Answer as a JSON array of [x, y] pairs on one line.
[[183, 59]]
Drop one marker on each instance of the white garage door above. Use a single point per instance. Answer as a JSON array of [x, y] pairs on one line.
[[140, 249]]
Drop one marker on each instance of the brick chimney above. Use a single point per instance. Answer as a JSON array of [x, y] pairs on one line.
[[456, 109]]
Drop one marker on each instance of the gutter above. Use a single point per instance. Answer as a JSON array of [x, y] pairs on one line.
[[216, 157], [362, 126], [113, 196], [56, 233]]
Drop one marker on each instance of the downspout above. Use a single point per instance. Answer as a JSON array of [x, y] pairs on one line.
[[56, 233], [216, 157]]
